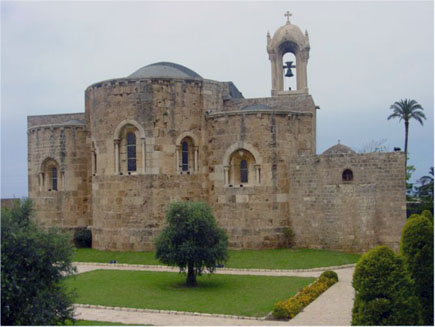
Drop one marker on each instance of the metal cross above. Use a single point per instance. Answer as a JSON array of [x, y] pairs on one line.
[[288, 14]]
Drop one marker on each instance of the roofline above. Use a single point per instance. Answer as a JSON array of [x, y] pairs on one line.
[[65, 114], [129, 80]]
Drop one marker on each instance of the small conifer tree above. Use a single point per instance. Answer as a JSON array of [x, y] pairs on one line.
[[384, 291], [416, 247]]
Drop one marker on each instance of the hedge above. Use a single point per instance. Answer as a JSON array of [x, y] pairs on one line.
[[289, 308]]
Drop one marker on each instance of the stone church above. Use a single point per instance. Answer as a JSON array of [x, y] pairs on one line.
[[164, 134]]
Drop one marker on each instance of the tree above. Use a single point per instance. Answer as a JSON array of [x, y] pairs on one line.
[[406, 110], [33, 264], [409, 170], [384, 291], [191, 239], [424, 190], [416, 247], [375, 146]]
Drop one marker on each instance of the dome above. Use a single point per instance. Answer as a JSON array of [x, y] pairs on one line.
[[288, 33], [166, 70], [339, 148]]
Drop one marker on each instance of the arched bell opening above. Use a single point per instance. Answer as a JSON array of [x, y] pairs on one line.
[[289, 72], [290, 66]]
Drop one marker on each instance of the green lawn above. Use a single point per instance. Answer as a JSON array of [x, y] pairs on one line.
[[265, 259], [222, 294]]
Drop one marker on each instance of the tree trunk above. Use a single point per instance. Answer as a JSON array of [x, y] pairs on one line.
[[191, 278], [406, 142]]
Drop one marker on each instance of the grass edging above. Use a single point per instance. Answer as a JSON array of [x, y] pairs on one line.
[[288, 309], [171, 312], [171, 268]]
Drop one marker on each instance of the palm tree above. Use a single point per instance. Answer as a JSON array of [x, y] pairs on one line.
[[426, 183], [407, 110]]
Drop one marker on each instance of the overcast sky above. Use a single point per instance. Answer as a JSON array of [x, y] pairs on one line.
[[364, 56]]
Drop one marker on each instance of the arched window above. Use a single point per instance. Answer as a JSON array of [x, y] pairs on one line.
[[129, 148], [347, 175], [50, 177], [184, 156], [131, 152], [243, 171], [242, 165], [54, 179]]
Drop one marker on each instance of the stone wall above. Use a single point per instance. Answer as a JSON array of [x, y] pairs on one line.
[[327, 212], [256, 215], [52, 138], [128, 210], [287, 184]]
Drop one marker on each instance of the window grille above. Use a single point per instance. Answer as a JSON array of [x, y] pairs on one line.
[[243, 171], [54, 179], [131, 152], [184, 156]]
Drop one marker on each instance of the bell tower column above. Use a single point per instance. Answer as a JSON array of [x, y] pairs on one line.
[[288, 39]]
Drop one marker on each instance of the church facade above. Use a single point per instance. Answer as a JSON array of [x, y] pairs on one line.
[[166, 134]]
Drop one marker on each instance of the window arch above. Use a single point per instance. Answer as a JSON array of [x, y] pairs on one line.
[[129, 148], [243, 169], [186, 154], [50, 177], [347, 175], [235, 172]]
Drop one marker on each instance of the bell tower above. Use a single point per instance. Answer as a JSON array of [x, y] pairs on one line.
[[288, 39]]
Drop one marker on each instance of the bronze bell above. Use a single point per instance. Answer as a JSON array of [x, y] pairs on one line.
[[289, 67]]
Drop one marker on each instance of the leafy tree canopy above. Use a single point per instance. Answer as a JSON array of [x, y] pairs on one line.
[[191, 240], [33, 263]]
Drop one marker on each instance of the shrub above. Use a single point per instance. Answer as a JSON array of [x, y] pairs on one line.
[[414, 215], [33, 264], [289, 236], [384, 291], [416, 246], [289, 308], [428, 215], [83, 238], [330, 274]]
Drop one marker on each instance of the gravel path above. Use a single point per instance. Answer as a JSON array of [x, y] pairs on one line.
[[332, 308]]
